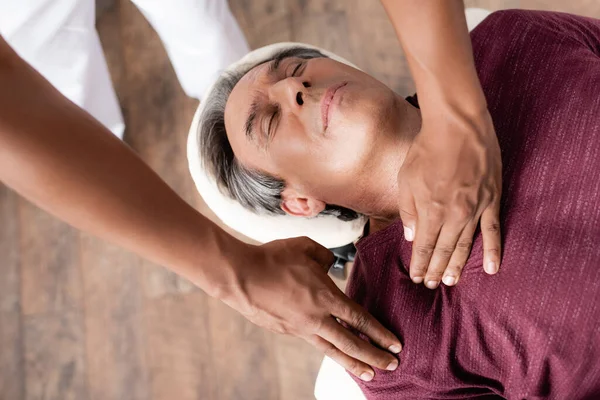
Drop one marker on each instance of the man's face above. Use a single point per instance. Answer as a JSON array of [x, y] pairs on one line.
[[313, 123]]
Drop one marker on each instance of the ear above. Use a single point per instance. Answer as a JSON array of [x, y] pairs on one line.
[[293, 203]]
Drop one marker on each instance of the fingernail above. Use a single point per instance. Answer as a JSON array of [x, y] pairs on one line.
[[395, 349], [491, 268], [449, 280], [392, 366], [417, 279], [432, 284], [366, 376], [408, 234]]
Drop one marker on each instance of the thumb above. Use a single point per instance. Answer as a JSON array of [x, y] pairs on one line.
[[408, 215], [321, 255]]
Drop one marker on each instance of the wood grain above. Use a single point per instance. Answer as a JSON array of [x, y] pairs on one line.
[[50, 276], [55, 357], [158, 118], [11, 361], [114, 322], [263, 21], [243, 356], [181, 355], [326, 30], [297, 364]]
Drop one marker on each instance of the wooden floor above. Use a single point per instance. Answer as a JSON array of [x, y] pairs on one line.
[[81, 319]]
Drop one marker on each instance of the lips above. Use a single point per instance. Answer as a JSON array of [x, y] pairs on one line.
[[327, 101]]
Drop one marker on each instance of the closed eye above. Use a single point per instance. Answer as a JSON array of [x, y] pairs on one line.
[[272, 122], [300, 64], [276, 110]]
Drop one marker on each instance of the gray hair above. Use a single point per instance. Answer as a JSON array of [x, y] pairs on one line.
[[253, 189]]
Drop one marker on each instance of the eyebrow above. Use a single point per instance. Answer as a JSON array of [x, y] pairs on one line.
[[254, 107], [251, 118]]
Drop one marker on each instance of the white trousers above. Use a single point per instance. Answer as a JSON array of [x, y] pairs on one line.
[[58, 38]]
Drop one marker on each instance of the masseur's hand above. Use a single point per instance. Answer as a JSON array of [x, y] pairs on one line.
[[283, 286], [450, 180], [451, 177]]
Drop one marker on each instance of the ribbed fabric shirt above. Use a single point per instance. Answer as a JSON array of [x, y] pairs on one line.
[[532, 331]]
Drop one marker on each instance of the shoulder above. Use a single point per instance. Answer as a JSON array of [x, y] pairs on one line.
[[532, 26]]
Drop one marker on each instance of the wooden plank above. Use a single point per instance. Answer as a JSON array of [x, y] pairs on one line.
[[327, 30], [12, 382], [494, 5], [589, 8], [50, 276], [378, 51], [263, 21], [243, 356], [158, 118], [54, 357], [11, 361], [180, 357], [298, 363], [319, 6], [114, 323], [108, 25]]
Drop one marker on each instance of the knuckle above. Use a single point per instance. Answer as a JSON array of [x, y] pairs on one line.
[[326, 297], [435, 211], [418, 269], [444, 251], [314, 324], [278, 328], [306, 243], [354, 367], [329, 350], [424, 250], [463, 212], [283, 330], [493, 227], [361, 322], [464, 244], [493, 251], [349, 347]]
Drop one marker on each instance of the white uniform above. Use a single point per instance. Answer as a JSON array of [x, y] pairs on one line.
[[58, 38]]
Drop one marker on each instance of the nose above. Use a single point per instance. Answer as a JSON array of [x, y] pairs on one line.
[[289, 93]]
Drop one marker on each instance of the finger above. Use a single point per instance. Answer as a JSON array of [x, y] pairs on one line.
[[355, 367], [355, 347], [460, 256], [492, 241], [359, 319], [408, 215], [444, 248], [428, 230], [315, 251], [321, 255]]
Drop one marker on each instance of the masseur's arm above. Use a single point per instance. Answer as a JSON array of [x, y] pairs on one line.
[[451, 178], [60, 158]]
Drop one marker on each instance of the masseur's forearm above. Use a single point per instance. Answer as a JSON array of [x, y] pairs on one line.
[[60, 158], [434, 36], [451, 180]]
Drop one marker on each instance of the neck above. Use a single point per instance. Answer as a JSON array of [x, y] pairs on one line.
[[380, 181]]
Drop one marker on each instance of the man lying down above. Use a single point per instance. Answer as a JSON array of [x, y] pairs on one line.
[[306, 135]]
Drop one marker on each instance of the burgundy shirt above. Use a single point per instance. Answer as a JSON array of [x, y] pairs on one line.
[[533, 330]]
